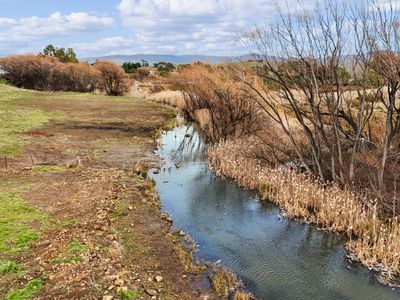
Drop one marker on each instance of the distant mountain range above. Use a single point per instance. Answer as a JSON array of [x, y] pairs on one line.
[[175, 59]]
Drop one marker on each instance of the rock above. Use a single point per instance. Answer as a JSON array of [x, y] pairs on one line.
[[158, 278], [130, 208], [122, 289], [151, 292], [182, 233], [187, 135], [108, 297], [118, 282]]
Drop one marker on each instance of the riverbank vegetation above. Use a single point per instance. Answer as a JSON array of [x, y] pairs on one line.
[[313, 122]]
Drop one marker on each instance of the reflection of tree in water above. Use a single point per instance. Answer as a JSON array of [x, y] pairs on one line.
[[191, 147]]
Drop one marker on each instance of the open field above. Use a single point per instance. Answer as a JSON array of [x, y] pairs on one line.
[[79, 220]]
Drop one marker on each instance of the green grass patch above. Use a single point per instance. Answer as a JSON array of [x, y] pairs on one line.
[[73, 253], [129, 295], [32, 288], [49, 168], [69, 223], [9, 267], [15, 219], [16, 119]]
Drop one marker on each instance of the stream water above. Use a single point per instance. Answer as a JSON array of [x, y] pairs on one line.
[[276, 258]]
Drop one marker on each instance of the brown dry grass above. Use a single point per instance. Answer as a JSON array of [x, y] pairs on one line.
[[372, 241], [223, 281]]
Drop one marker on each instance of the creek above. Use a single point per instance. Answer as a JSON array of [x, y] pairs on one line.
[[276, 257]]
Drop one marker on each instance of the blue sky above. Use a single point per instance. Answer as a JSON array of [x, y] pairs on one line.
[[102, 27]]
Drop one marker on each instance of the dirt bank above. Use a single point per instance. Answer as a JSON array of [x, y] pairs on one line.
[[91, 226]]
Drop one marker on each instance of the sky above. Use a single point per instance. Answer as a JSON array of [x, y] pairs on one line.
[[104, 27]]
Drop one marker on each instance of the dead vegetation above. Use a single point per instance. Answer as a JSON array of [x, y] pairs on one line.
[[227, 285], [326, 145], [47, 73], [373, 241], [214, 99]]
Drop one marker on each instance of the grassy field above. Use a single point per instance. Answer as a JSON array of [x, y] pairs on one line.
[[72, 230]]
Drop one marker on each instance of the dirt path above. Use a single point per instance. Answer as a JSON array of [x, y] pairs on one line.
[[100, 234]]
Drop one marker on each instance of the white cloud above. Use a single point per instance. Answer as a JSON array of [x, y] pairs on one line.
[[105, 45], [5, 22], [34, 28], [188, 26], [195, 26]]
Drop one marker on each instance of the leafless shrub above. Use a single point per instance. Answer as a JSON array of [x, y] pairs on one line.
[[112, 80], [230, 112]]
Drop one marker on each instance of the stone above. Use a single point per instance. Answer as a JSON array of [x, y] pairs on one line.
[[151, 292], [118, 282], [158, 278], [108, 297], [182, 233], [122, 289]]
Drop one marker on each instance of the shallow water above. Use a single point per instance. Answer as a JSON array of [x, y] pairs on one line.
[[276, 258]]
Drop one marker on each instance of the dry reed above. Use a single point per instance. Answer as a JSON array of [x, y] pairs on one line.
[[372, 241], [227, 285]]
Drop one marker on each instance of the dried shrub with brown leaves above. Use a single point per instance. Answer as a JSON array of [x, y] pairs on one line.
[[49, 74], [226, 111], [112, 80]]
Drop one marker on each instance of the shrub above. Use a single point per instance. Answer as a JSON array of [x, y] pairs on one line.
[[29, 71], [112, 78], [228, 110], [48, 73], [130, 67]]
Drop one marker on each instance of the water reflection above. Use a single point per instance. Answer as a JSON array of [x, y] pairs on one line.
[[276, 258]]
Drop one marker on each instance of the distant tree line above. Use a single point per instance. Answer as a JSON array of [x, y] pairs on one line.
[[140, 69]]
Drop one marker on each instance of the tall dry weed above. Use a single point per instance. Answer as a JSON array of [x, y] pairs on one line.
[[372, 241]]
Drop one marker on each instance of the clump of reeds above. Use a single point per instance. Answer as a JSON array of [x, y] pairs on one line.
[[372, 241], [240, 295], [226, 284]]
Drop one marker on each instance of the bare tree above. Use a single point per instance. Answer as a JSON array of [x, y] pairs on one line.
[[314, 76]]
